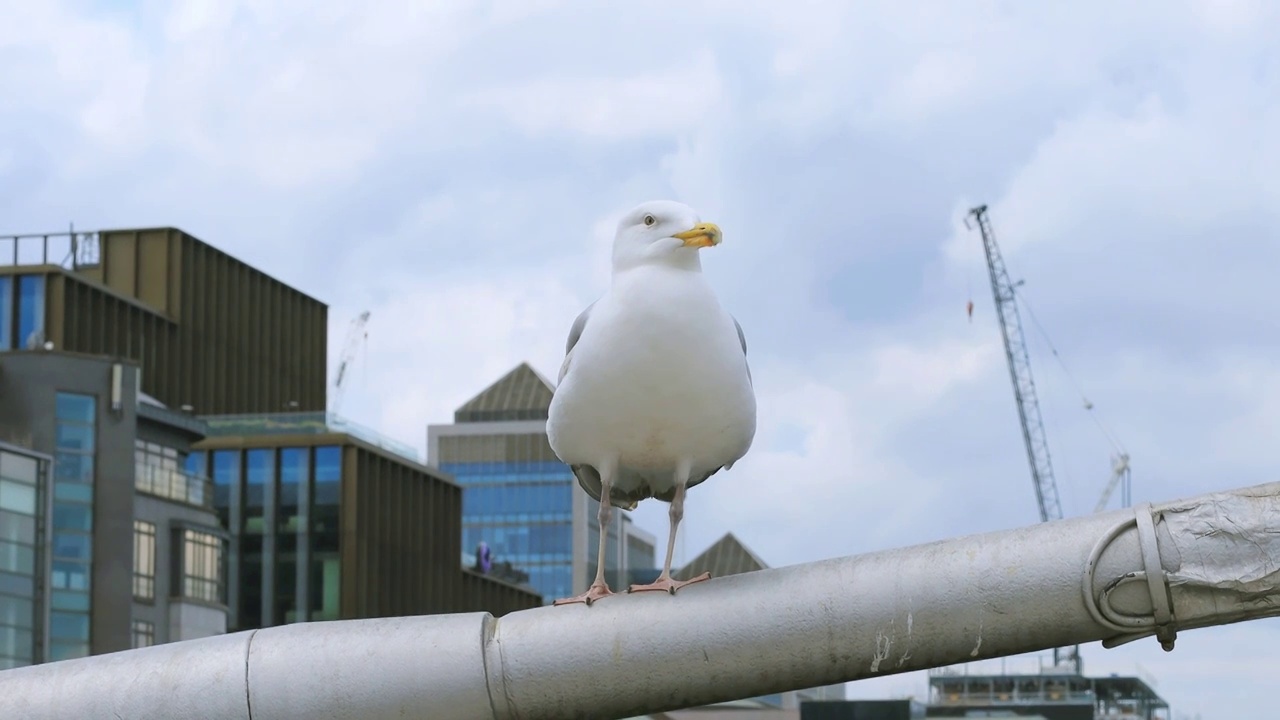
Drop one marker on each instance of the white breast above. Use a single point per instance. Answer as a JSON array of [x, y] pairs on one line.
[[658, 376]]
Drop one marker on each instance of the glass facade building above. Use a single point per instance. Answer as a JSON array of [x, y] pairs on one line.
[[523, 510], [521, 500], [280, 505], [23, 479], [328, 526]]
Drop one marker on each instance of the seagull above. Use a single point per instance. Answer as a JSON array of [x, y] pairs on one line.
[[654, 394]]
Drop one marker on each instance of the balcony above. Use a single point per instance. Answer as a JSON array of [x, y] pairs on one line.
[[172, 484]]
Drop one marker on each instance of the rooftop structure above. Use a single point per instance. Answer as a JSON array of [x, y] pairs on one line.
[[208, 331]]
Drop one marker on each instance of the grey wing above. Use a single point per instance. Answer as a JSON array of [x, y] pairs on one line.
[[575, 332], [742, 338]]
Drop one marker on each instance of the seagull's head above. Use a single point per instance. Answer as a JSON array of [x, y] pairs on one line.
[[662, 232]]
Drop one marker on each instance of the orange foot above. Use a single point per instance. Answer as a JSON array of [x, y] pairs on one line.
[[668, 585], [593, 593]]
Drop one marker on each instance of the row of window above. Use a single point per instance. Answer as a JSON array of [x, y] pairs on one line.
[[555, 497], [282, 478], [199, 565], [21, 311], [75, 430], [506, 472]]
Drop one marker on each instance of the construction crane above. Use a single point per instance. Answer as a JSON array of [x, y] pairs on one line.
[[356, 335], [1024, 389]]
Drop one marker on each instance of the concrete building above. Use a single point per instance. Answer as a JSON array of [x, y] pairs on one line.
[[520, 499], [131, 551], [328, 520]]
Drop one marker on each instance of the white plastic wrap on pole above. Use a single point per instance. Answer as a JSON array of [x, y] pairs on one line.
[[1208, 560]]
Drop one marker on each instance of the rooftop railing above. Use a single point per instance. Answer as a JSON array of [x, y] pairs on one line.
[[70, 250], [173, 484], [305, 423]]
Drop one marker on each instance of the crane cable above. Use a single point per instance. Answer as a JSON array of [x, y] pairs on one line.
[[1088, 405]]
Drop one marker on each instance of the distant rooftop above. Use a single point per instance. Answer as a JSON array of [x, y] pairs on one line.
[[726, 556], [304, 423], [521, 394]]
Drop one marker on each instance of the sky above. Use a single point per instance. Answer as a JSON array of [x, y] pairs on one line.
[[457, 168]]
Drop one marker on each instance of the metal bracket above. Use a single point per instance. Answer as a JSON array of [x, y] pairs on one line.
[[1161, 623]]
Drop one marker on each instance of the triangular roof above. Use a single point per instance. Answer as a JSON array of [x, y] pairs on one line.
[[521, 394], [726, 556]]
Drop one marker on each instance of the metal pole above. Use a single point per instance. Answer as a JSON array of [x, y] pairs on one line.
[[1117, 576]]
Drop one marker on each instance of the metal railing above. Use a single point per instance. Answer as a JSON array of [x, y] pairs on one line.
[[304, 423], [1112, 577], [70, 250], [173, 484]]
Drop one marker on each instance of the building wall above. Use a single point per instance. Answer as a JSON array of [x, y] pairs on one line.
[[92, 535]]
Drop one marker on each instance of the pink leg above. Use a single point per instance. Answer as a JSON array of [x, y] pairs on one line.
[[599, 588], [676, 514]]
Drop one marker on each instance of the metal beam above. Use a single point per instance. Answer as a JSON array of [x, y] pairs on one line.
[[1117, 576]]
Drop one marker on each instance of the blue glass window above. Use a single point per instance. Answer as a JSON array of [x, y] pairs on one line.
[[196, 463], [30, 307], [76, 407], [69, 626], [73, 467], [6, 312], [73, 517]]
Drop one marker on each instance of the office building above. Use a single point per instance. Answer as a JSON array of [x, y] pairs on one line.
[[520, 499], [24, 481], [123, 548], [329, 520], [209, 332], [114, 346]]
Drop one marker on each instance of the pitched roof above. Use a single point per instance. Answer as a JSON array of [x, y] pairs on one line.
[[726, 556], [521, 394]]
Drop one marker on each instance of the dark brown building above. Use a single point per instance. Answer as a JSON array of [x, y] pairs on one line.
[[329, 523], [208, 331]]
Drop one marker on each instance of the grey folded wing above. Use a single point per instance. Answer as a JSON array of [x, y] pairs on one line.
[[575, 332]]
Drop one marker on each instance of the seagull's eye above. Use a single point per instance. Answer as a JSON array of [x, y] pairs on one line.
[[649, 220]]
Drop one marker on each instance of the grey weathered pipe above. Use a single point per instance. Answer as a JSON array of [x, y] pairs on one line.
[[1211, 560]]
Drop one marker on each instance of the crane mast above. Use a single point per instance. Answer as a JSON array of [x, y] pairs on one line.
[[355, 335], [1003, 290], [1024, 387]]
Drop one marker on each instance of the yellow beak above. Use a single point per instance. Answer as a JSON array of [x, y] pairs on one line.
[[701, 235]]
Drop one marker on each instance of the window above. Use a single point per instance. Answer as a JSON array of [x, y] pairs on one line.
[[30, 310], [144, 633], [75, 439], [201, 573], [144, 560], [19, 500], [6, 312]]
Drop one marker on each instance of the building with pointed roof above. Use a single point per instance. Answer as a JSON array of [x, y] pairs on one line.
[[520, 499]]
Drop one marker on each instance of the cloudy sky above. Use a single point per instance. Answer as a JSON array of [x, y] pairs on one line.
[[457, 166]]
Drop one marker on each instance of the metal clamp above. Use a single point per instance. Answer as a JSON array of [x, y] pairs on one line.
[[1161, 622]]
